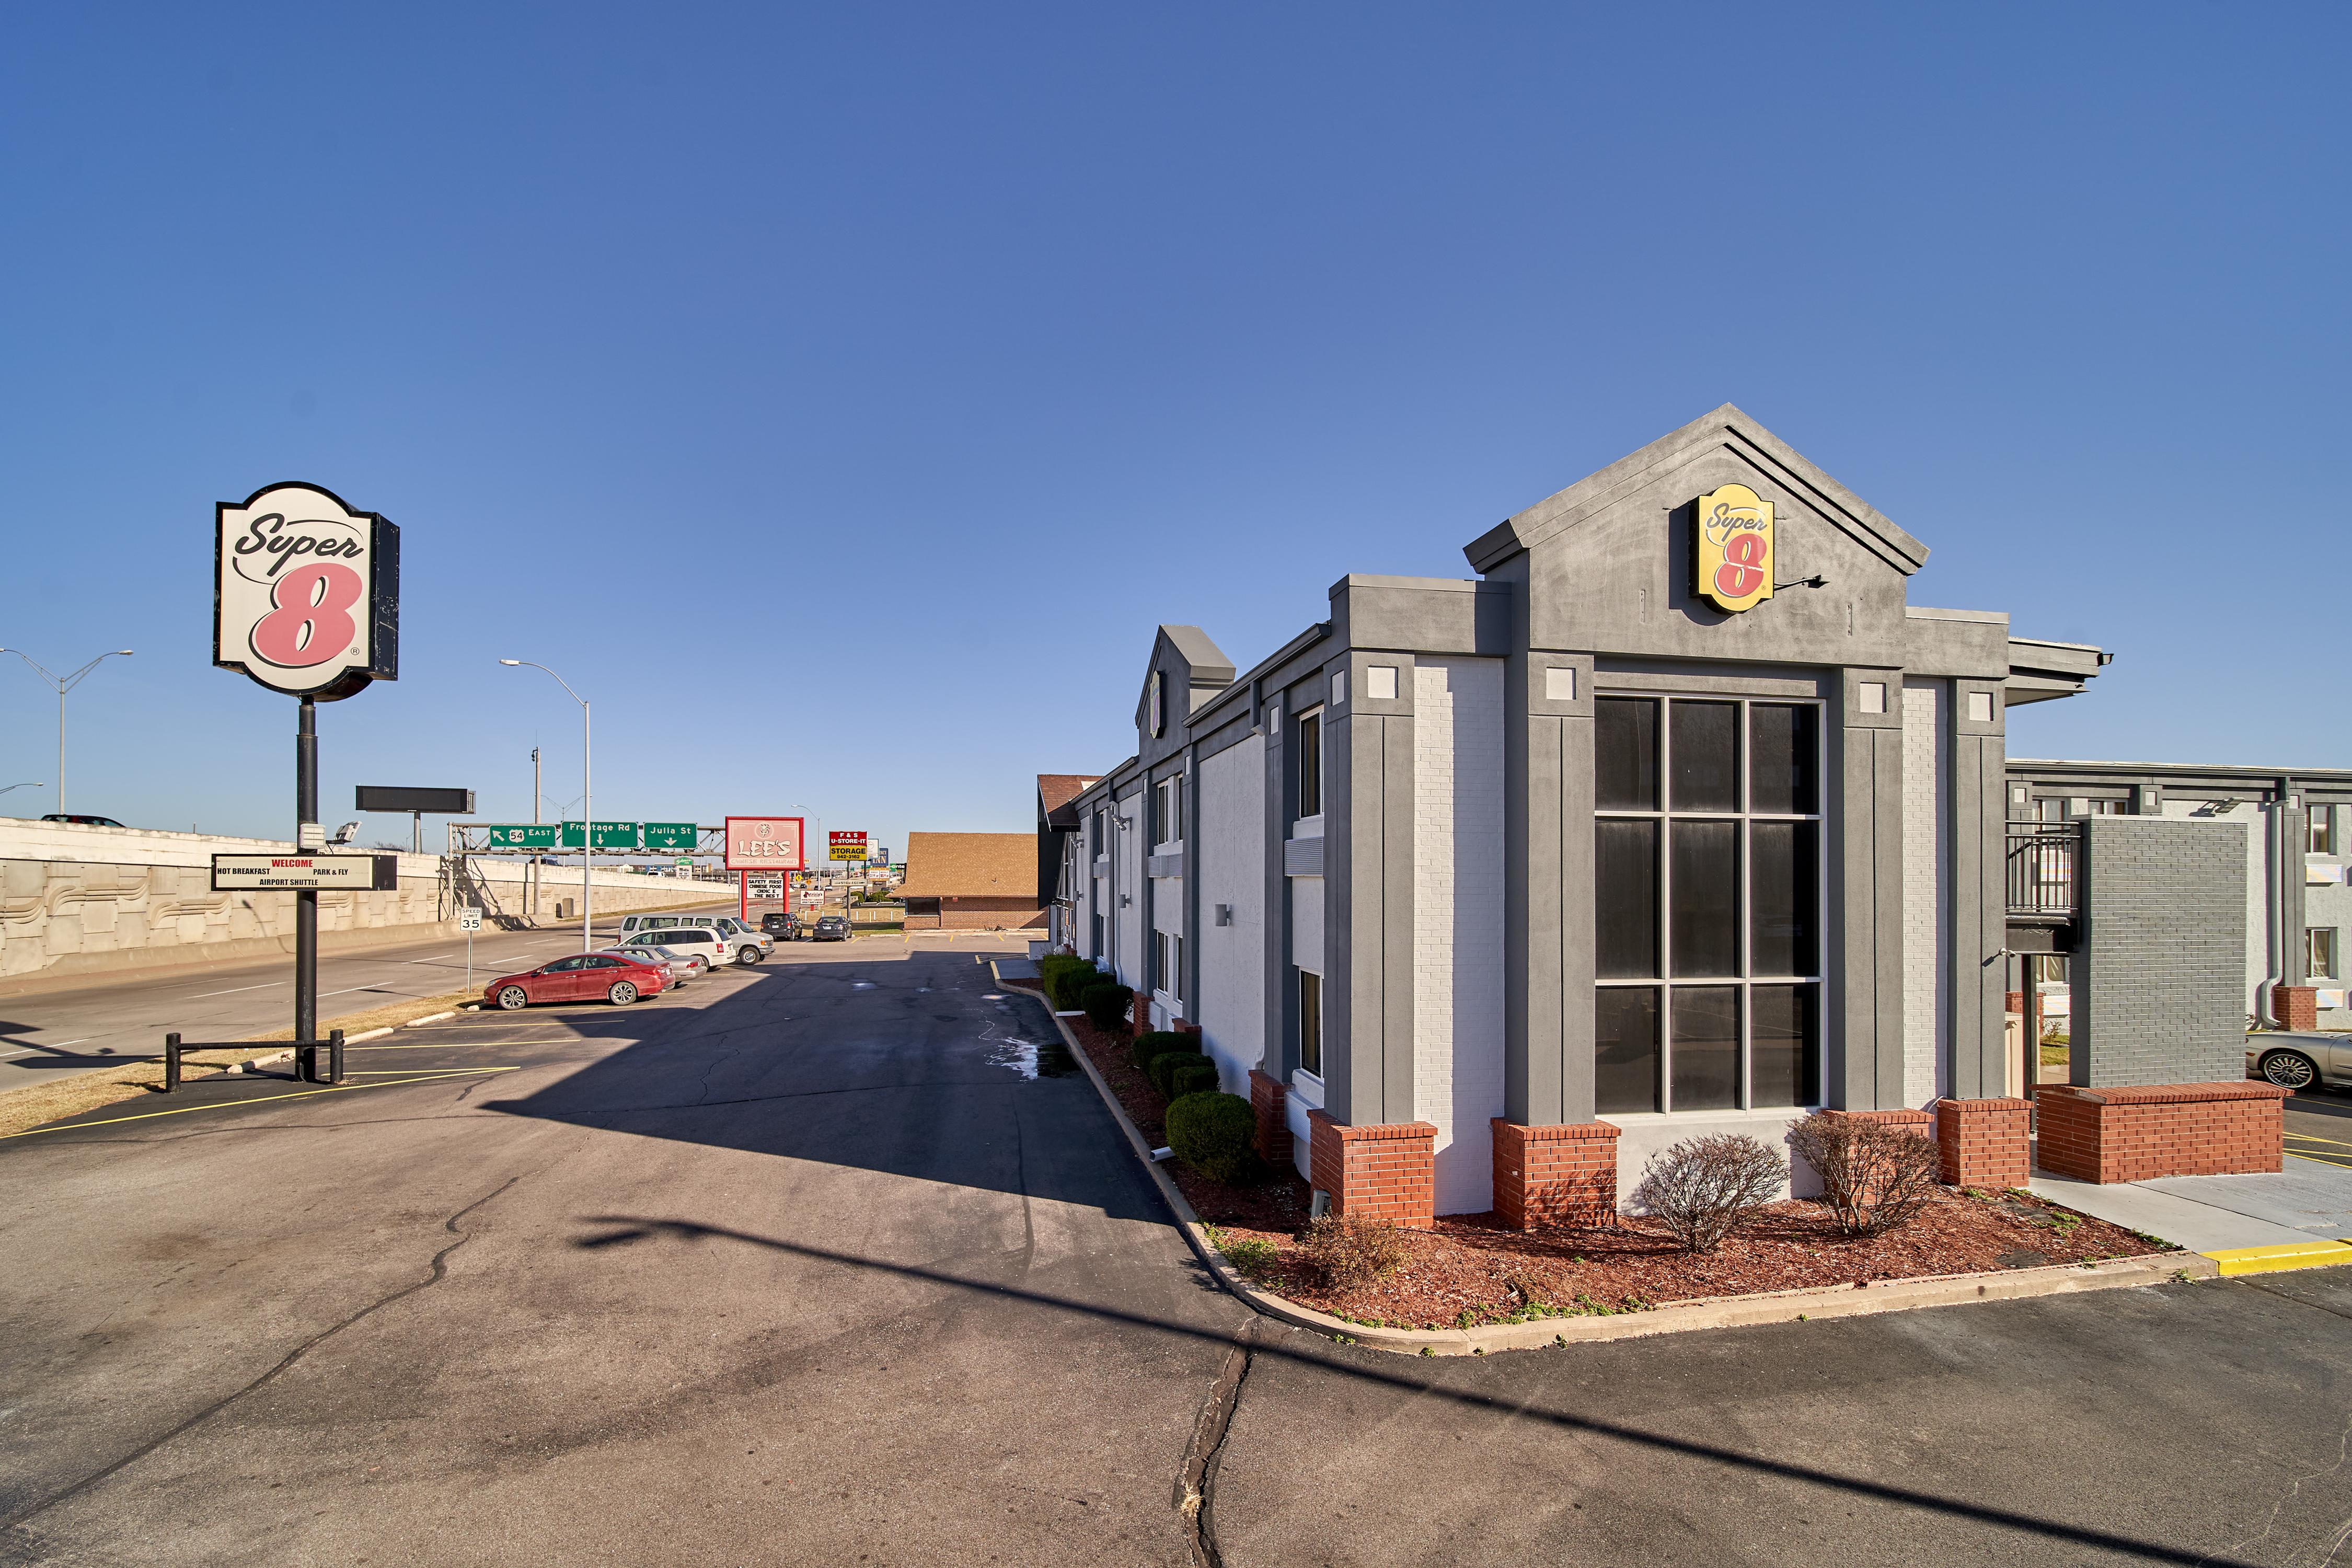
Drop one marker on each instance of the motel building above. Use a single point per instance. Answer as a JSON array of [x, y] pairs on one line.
[[1677, 818]]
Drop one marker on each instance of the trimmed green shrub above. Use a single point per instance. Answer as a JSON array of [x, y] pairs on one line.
[[1191, 1078], [1064, 977], [1212, 1133], [1153, 1042], [1106, 1001], [1167, 1062]]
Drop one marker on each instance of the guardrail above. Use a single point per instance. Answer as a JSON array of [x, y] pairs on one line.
[[305, 1055], [2044, 860]]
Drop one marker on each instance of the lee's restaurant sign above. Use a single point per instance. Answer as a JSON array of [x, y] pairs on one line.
[[306, 592]]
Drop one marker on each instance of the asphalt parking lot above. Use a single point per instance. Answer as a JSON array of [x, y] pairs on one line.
[[834, 1261]]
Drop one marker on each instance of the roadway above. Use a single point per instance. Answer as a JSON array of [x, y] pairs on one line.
[[835, 1261], [51, 1033]]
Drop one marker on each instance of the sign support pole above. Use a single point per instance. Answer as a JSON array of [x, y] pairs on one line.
[[306, 904]]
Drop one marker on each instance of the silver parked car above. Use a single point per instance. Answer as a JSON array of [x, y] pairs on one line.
[[682, 966], [2300, 1059]]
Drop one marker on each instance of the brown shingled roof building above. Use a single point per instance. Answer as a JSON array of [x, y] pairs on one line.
[[971, 881]]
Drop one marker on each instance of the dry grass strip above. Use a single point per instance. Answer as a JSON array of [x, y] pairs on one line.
[[46, 1102]]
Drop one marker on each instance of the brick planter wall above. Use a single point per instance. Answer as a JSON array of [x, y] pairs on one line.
[[2297, 1007], [1385, 1172], [1270, 1100], [2136, 1134], [1985, 1142], [1920, 1122], [1564, 1174]]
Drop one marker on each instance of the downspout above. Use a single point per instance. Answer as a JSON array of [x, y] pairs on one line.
[[2275, 909]]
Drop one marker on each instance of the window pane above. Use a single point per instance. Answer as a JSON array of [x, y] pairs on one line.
[[1705, 898], [1781, 749], [1707, 1048], [1780, 882], [1785, 1050], [1625, 1049], [1625, 879], [1310, 1022], [1311, 765], [1707, 755], [1625, 753]]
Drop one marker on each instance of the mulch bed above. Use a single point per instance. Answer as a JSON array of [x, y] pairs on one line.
[[1469, 1269]]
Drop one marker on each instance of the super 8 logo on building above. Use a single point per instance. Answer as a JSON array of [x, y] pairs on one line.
[[1733, 552], [306, 592]]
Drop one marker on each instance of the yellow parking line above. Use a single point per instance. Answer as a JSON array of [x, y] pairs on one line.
[[259, 1099], [442, 1046], [2315, 1138]]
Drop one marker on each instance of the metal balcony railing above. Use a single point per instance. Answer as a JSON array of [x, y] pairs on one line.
[[2042, 858]]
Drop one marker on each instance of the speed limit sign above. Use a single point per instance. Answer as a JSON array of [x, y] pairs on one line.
[[469, 919]]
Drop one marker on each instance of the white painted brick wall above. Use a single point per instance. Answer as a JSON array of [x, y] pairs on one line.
[[1457, 980], [1927, 881], [1230, 861]]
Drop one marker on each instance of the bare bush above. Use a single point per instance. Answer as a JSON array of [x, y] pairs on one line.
[[1874, 1177], [1703, 1189], [1351, 1250]]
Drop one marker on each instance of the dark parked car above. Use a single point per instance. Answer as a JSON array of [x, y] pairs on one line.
[[831, 928], [784, 927], [580, 978], [81, 820]]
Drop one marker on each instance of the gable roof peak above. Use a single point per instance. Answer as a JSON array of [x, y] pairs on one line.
[[1727, 426]]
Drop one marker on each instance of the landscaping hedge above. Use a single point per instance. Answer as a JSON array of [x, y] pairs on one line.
[[1167, 1062], [1153, 1042], [1191, 1078], [1106, 1001], [1211, 1133], [1064, 976]]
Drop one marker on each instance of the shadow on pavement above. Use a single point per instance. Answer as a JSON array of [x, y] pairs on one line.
[[622, 1230], [891, 1066]]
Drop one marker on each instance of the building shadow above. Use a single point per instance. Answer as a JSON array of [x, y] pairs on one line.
[[875, 1065]]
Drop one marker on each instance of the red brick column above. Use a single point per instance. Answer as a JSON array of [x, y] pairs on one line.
[[2297, 1007], [1985, 1142], [1141, 1007], [1563, 1174], [2161, 1130], [1383, 1172], [1270, 1100], [2012, 1001]]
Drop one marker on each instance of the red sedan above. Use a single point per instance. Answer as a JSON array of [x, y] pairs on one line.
[[582, 977]]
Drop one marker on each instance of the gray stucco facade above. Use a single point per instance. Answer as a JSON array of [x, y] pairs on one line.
[[1446, 901]]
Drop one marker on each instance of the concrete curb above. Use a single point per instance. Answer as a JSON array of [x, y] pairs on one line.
[[413, 1023], [1805, 1304]]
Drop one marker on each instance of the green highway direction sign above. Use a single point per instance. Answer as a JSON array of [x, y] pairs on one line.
[[609, 836]]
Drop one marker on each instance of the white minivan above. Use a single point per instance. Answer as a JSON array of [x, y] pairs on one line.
[[736, 942]]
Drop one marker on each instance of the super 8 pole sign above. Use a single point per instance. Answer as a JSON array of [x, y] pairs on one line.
[[765, 844], [306, 592]]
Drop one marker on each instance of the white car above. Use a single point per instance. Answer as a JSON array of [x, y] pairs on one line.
[[2300, 1058]]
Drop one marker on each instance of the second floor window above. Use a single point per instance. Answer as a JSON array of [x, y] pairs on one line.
[[1310, 763], [2322, 830]]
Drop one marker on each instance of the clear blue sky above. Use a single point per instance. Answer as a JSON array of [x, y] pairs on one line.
[[840, 396]]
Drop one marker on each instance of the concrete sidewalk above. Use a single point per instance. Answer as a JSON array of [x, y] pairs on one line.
[[2282, 1214]]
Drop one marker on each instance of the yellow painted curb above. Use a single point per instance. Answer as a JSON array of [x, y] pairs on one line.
[[2290, 1254]]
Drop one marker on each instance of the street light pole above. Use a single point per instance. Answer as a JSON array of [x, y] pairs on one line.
[[63, 684], [587, 808]]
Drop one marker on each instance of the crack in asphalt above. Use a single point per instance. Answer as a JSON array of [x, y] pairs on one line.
[[1196, 1483], [439, 1271]]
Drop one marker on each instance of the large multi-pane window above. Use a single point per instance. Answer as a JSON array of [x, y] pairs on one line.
[[1168, 963], [1706, 870]]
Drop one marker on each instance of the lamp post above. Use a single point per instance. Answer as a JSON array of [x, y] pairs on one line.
[[587, 807], [63, 684], [35, 783]]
